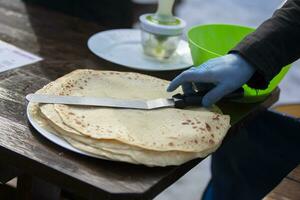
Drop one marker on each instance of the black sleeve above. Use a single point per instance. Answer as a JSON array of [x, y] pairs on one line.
[[273, 45]]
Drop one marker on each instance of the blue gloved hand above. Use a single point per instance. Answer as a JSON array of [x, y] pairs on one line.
[[226, 73]]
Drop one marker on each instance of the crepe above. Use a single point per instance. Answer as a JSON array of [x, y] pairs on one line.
[[113, 150], [161, 137]]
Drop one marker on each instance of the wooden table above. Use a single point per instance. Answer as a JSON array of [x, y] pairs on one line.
[[288, 189], [42, 166]]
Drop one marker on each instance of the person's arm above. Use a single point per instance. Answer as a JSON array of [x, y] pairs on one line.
[[273, 45], [255, 60]]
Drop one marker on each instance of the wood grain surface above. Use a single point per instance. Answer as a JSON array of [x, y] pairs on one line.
[[61, 41], [286, 190]]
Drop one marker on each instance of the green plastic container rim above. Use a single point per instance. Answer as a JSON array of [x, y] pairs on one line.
[[251, 95]]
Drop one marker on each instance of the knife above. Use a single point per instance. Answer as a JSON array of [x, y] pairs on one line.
[[176, 101]]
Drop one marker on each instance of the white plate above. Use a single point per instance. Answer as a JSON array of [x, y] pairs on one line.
[[55, 139], [123, 47]]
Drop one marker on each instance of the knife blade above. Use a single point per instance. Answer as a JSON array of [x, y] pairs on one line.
[[178, 101]]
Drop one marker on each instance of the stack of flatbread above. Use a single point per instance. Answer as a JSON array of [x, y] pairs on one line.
[[159, 137]]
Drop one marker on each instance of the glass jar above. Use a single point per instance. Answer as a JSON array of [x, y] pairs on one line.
[[159, 46]]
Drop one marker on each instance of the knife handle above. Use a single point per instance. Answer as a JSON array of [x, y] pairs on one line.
[[182, 101]]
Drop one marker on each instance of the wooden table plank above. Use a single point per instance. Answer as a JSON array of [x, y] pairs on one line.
[[61, 41], [295, 174], [286, 190], [289, 109], [13, 6]]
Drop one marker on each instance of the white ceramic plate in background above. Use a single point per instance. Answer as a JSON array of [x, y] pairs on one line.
[[123, 47]]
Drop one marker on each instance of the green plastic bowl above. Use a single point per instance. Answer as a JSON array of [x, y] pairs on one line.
[[214, 40]]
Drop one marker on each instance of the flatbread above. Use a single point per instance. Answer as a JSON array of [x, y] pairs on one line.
[[159, 137], [177, 129], [113, 150]]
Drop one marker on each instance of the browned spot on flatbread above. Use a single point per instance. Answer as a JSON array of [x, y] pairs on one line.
[[207, 126], [217, 117], [171, 144], [211, 141]]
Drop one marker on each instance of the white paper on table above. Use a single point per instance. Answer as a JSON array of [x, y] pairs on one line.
[[12, 57]]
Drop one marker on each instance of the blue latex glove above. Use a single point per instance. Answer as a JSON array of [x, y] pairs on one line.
[[226, 73]]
